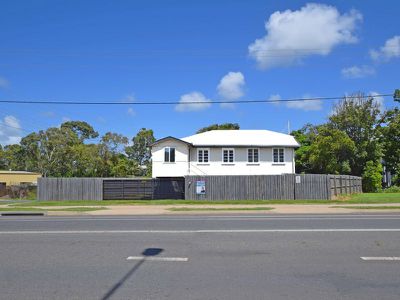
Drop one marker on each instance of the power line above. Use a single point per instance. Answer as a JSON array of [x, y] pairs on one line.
[[184, 103]]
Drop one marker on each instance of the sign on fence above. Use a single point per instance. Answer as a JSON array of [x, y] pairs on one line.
[[200, 187]]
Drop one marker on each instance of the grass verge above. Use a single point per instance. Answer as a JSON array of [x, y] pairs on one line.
[[73, 209], [218, 209], [349, 199]]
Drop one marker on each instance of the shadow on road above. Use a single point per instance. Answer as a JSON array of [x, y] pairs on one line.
[[146, 252]]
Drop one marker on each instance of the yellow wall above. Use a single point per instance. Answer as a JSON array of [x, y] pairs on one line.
[[17, 178]]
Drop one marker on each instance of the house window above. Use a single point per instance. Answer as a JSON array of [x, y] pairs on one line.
[[169, 154], [228, 155], [252, 155], [279, 155], [203, 155]]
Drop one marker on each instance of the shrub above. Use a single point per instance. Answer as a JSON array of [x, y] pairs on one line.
[[392, 189], [372, 176]]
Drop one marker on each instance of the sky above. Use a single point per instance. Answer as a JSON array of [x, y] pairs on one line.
[[190, 51]]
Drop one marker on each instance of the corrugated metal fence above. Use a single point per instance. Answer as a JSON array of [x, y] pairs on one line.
[[270, 187]]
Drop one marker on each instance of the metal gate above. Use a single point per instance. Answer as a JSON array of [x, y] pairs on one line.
[[143, 189]]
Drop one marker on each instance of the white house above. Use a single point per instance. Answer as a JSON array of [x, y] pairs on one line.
[[225, 152]]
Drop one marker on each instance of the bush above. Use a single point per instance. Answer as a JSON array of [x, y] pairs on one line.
[[372, 177], [392, 189]]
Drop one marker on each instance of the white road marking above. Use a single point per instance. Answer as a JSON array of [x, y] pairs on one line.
[[380, 258], [152, 258], [27, 232]]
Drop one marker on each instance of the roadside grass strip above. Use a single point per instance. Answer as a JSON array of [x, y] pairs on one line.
[[219, 209], [367, 207], [364, 198], [70, 209]]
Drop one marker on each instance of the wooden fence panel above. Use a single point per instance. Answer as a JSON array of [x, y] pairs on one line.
[[272, 187], [57, 189]]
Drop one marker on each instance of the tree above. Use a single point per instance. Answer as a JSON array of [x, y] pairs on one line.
[[2, 159], [305, 137], [140, 150], [358, 116], [82, 129], [49, 152], [390, 137], [331, 151], [110, 148], [13, 158], [396, 95], [225, 126], [86, 161], [372, 176]]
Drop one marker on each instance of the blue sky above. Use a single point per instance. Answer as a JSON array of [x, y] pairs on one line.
[[190, 51]]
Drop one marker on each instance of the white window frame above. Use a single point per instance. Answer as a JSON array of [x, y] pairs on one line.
[[258, 156], [169, 155], [273, 156], [228, 149], [203, 149]]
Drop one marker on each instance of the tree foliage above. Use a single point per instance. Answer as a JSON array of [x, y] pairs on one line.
[[140, 150], [359, 117], [224, 126]]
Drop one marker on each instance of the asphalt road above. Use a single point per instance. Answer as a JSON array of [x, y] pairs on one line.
[[200, 257]]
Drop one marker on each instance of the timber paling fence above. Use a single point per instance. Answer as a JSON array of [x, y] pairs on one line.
[[257, 187], [271, 187], [60, 189]]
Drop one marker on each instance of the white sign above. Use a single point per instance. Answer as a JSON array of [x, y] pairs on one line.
[[201, 187], [298, 179]]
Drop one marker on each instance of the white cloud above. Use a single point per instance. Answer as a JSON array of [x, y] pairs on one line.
[[379, 100], [390, 50], [306, 105], [4, 82], [65, 119], [276, 98], [192, 102], [358, 71], [131, 112], [10, 130], [315, 29], [231, 86]]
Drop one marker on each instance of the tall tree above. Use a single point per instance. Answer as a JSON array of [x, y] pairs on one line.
[[82, 129], [390, 137], [224, 126], [49, 152], [13, 158], [2, 158], [110, 148], [359, 116], [331, 151], [140, 150], [305, 137]]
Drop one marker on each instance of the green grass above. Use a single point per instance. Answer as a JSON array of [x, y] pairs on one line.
[[73, 209], [21, 209], [353, 199], [218, 209], [367, 207]]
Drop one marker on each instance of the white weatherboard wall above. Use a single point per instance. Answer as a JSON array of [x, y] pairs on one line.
[[178, 168], [215, 166], [240, 166]]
